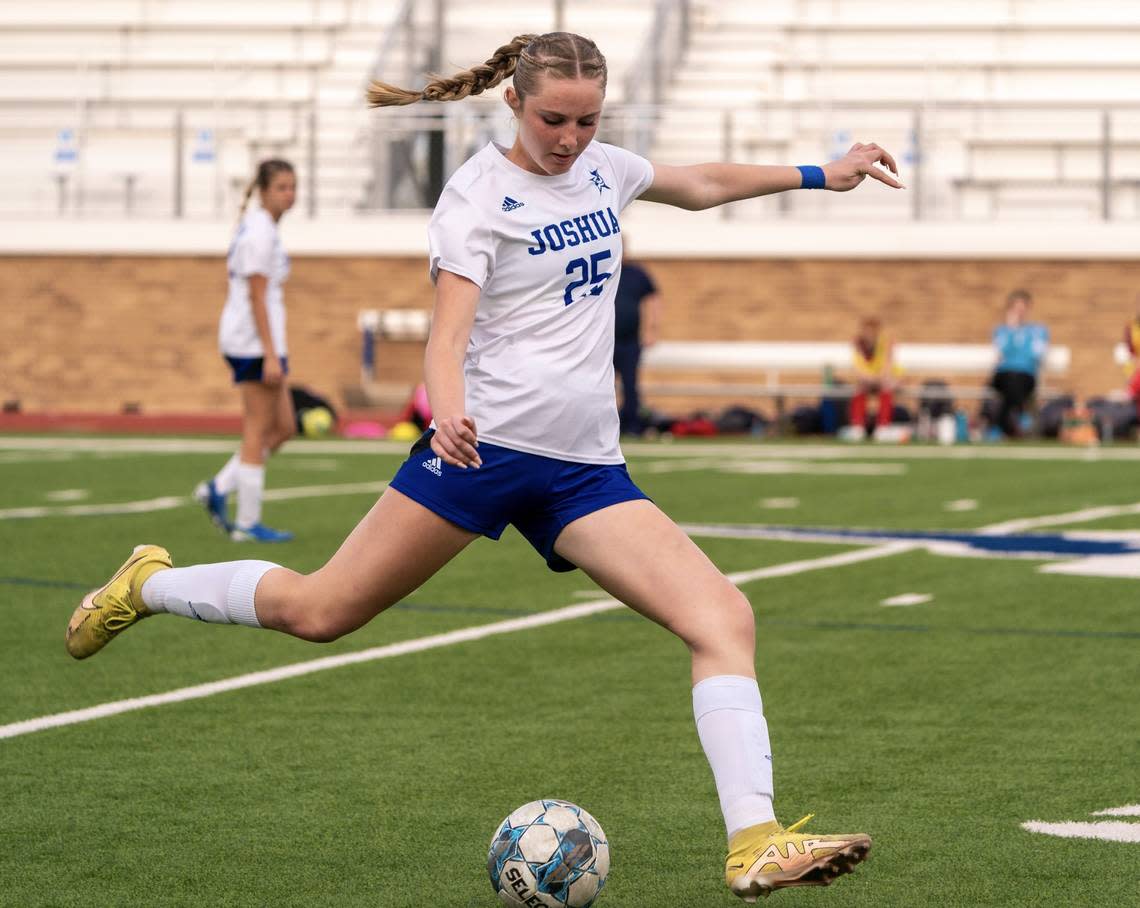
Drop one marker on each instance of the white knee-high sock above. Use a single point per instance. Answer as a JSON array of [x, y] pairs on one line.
[[734, 735], [227, 478], [251, 483], [217, 593]]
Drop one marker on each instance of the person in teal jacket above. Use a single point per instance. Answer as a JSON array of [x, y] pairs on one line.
[[1021, 348]]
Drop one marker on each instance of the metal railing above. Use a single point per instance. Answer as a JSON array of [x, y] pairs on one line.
[[659, 57], [952, 161]]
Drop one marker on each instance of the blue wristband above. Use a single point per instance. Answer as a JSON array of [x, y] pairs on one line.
[[813, 177]]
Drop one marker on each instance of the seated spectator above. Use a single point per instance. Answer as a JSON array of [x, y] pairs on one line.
[[1021, 347], [875, 373], [1132, 367]]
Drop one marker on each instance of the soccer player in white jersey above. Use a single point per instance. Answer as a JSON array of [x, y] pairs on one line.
[[525, 250], [251, 336]]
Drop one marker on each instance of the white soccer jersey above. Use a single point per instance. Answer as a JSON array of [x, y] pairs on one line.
[[256, 249], [546, 253]]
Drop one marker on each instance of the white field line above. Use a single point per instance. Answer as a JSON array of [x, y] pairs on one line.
[[1086, 515], [764, 466], [169, 502], [657, 450], [906, 599], [1105, 830], [88, 510], [463, 635], [60, 495], [1128, 810], [814, 564], [778, 504]]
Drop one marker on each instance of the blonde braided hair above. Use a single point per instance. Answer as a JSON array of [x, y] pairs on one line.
[[563, 54]]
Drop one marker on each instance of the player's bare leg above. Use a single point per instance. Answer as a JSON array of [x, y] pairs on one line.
[[396, 547], [638, 555]]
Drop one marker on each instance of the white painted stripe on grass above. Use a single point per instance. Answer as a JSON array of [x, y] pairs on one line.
[[1128, 810], [9, 457], [464, 635], [814, 564], [1096, 566], [336, 488], [176, 445], [1105, 830], [766, 466], [67, 495], [1085, 515], [298, 669], [904, 599], [170, 502], [95, 510], [697, 449]]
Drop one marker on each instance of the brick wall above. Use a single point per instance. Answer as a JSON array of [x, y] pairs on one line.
[[93, 333]]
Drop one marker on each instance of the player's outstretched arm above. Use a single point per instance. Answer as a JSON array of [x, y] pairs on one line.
[[700, 186], [456, 299]]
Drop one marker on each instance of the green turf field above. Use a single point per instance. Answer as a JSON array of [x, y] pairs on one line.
[[938, 728]]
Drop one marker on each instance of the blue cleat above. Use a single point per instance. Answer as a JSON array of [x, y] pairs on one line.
[[207, 495], [259, 532]]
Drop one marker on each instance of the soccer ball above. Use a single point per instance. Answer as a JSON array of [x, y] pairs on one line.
[[549, 854], [404, 431], [316, 422]]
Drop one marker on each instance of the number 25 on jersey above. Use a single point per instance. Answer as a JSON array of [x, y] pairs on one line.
[[587, 272]]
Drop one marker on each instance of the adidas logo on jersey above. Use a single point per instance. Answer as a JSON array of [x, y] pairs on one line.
[[435, 465], [510, 204]]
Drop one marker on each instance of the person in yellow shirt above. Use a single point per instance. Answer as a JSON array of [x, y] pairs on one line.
[[1132, 366], [875, 373]]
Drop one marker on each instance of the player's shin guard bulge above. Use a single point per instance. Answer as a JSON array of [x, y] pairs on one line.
[[108, 611], [764, 858]]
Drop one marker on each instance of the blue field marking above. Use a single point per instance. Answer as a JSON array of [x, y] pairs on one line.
[[914, 628], [36, 581], [1047, 545], [952, 629]]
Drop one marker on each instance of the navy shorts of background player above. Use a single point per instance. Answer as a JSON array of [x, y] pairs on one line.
[[538, 495], [250, 368]]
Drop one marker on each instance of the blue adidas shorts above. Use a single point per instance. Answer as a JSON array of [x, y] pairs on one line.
[[538, 495], [248, 368]]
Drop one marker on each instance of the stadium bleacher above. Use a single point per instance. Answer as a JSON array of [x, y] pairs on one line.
[[949, 90], [980, 102], [285, 77]]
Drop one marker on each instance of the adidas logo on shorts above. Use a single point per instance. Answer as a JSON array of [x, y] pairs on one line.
[[435, 465], [510, 204]]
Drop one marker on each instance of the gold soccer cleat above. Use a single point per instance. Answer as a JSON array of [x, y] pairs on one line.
[[103, 614], [764, 858]]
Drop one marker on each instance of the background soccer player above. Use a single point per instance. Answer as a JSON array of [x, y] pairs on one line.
[[251, 336]]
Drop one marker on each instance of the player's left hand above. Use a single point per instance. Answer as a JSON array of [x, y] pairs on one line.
[[860, 162]]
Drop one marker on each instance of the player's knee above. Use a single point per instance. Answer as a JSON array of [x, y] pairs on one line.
[[738, 618], [278, 435], [318, 626], [726, 624]]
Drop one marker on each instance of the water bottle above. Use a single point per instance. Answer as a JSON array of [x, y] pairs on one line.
[[945, 429], [962, 425], [925, 430]]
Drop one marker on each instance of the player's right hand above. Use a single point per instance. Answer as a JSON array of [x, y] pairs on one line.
[[456, 442], [271, 371]]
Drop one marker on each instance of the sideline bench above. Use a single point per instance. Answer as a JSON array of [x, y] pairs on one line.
[[770, 362]]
